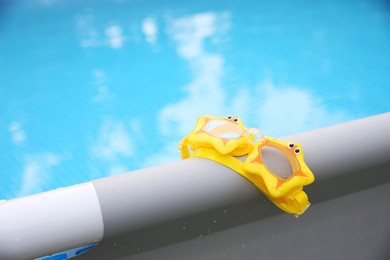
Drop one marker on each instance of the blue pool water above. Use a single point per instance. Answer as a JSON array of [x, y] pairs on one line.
[[90, 89]]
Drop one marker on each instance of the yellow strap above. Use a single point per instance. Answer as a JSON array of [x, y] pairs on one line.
[[185, 152], [227, 160]]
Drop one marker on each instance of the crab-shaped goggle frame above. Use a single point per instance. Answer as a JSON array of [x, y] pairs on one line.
[[227, 135], [223, 138]]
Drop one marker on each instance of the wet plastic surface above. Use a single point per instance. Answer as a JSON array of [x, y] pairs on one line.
[[348, 218]]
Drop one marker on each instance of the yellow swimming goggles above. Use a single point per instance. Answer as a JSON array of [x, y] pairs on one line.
[[222, 139]]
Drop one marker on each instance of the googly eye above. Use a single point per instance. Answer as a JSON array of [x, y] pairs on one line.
[[235, 119], [290, 145], [229, 117], [297, 150]]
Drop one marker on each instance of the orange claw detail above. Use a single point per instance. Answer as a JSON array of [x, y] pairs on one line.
[[300, 173], [257, 159], [279, 183]]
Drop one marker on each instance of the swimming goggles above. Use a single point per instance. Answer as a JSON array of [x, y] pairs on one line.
[[223, 139]]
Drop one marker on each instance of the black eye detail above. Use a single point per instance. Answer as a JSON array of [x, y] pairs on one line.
[[235, 119], [229, 117], [290, 145], [297, 150]]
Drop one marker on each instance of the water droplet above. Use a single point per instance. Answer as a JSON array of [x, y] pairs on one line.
[[115, 244], [215, 221], [243, 245], [138, 249], [200, 236], [208, 231], [272, 234], [183, 227], [224, 211]]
